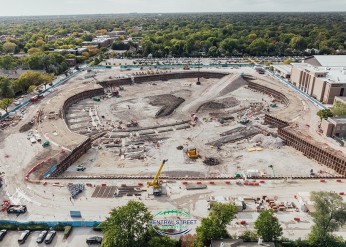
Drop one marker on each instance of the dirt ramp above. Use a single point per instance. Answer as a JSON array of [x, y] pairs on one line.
[[233, 85]]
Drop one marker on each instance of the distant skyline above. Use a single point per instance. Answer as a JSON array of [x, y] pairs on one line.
[[76, 7]]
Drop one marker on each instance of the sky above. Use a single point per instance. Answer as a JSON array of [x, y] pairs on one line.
[[66, 7]]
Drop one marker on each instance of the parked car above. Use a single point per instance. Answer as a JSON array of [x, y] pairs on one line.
[[23, 237], [94, 240], [41, 237], [50, 236], [2, 234]]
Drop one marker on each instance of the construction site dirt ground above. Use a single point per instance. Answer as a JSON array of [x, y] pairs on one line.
[[18, 155], [134, 103]]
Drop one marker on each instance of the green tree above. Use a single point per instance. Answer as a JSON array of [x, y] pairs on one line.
[[6, 90], [155, 240], [248, 236], [288, 61], [330, 215], [127, 225], [258, 46], [324, 113], [5, 103], [8, 62], [33, 78], [339, 109], [9, 47], [298, 42], [268, 226], [214, 226]]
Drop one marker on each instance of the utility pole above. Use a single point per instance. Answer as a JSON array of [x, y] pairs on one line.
[[198, 73]]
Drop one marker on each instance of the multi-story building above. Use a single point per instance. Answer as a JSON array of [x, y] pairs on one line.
[[322, 77], [334, 127], [100, 41]]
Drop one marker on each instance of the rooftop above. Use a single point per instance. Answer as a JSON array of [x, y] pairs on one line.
[[327, 60], [337, 120], [283, 68], [334, 74]]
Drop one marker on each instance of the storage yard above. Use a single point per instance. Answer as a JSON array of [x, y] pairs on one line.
[[233, 134]]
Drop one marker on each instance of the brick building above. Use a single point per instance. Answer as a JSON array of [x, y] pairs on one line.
[[322, 77]]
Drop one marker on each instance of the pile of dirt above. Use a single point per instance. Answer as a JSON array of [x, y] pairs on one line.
[[167, 102], [26, 127], [209, 161], [219, 104], [268, 141]]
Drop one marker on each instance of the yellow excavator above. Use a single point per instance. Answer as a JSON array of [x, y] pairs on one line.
[[157, 186]]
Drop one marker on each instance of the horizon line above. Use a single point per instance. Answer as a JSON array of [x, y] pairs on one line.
[[158, 13]]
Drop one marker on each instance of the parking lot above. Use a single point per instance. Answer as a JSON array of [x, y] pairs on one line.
[[77, 238]]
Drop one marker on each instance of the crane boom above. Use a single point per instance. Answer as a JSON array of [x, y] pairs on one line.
[[155, 183]]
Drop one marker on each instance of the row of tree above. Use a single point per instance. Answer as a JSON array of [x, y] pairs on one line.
[[26, 83], [186, 34], [129, 226]]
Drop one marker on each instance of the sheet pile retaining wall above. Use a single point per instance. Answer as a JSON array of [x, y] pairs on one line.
[[161, 77], [310, 150], [267, 90]]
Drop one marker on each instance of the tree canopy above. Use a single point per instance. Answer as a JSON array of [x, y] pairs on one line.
[[184, 34], [325, 113], [330, 215], [339, 109], [129, 226], [214, 226], [268, 226]]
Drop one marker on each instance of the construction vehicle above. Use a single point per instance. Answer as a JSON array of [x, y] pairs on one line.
[[192, 152], [46, 144], [80, 168], [244, 119], [133, 123], [156, 184], [16, 209], [194, 119]]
